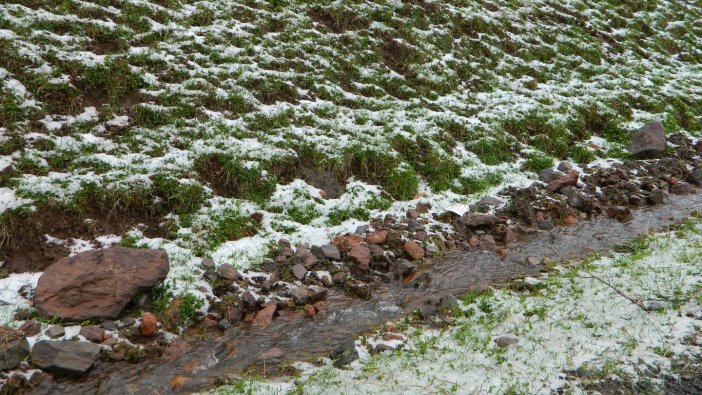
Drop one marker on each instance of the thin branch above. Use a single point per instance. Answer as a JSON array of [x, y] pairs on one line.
[[621, 293]]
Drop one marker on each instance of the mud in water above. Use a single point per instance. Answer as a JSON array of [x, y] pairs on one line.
[[295, 337]]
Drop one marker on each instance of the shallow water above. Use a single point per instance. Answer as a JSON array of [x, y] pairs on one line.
[[296, 337]]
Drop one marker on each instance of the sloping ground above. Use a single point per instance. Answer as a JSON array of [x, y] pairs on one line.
[[188, 117], [626, 323]]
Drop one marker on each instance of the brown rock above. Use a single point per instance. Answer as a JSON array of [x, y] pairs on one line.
[[377, 237], [649, 141], [30, 328], [176, 349], [210, 323], [310, 310], [110, 341], [97, 284], [227, 272], [682, 188], [265, 316], [487, 242], [479, 219], [149, 324], [412, 213], [474, 241], [93, 333], [392, 336], [299, 271], [570, 178], [414, 250], [361, 256], [376, 251], [319, 306]]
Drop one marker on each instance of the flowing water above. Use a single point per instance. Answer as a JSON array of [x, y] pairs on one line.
[[295, 337]]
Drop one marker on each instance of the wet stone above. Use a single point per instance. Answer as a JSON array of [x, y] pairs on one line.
[[344, 354], [403, 267]]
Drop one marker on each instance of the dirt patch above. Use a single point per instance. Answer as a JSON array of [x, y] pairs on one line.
[[338, 25], [395, 55], [23, 242]]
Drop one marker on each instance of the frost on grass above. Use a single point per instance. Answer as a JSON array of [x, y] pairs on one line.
[[570, 319], [171, 110]]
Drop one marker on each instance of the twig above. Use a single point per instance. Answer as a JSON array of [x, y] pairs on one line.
[[621, 293]]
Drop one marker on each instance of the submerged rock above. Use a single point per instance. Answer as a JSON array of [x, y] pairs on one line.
[[98, 284], [344, 354], [65, 357]]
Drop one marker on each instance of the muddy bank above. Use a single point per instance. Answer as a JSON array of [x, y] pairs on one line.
[[292, 337]]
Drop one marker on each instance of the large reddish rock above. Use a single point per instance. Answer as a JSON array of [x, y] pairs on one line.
[[98, 284], [570, 178], [649, 141], [414, 250], [361, 256]]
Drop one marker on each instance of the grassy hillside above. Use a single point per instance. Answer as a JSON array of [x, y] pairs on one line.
[[196, 115]]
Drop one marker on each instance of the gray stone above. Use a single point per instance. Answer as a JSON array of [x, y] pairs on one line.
[[682, 188], [55, 331], [65, 357], [12, 352], [328, 251], [506, 341], [344, 354], [649, 141], [300, 295], [695, 177], [657, 196], [299, 271], [565, 166], [224, 324], [402, 267], [548, 175], [362, 229], [227, 272]]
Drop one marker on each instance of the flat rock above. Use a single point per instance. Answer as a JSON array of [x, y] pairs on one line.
[[328, 251], [299, 271], [93, 333], [55, 331], [649, 141], [65, 357], [265, 316], [98, 284]]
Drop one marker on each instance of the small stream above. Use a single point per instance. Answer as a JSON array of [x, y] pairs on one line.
[[295, 337]]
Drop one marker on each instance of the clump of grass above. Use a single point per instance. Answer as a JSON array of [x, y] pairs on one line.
[[537, 161], [477, 184], [402, 183]]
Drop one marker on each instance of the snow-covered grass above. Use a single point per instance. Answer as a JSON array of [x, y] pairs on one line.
[[202, 112], [591, 316]]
